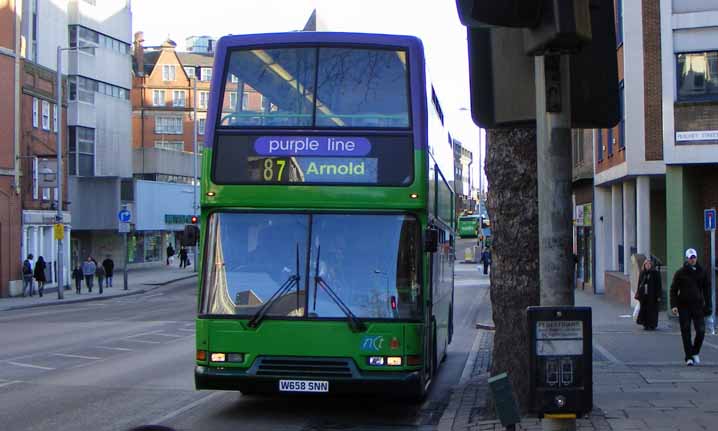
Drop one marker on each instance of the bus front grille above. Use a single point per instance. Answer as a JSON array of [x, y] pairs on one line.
[[304, 367]]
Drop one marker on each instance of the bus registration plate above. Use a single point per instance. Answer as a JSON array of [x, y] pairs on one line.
[[303, 386]]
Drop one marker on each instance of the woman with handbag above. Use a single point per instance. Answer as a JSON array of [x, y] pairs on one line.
[[649, 293]]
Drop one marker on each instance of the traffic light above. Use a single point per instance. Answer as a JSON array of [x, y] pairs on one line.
[[502, 72], [504, 13], [190, 236]]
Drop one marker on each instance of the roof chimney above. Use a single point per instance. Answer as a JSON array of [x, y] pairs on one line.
[[139, 53]]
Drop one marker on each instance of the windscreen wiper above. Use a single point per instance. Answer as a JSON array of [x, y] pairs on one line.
[[290, 282], [355, 323]]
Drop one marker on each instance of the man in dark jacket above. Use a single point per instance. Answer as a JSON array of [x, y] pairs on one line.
[[690, 300]]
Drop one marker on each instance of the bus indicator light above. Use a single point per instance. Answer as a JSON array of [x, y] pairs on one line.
[[414, 195], [201, 355], [413, 360], [393, 302], [210, 194]]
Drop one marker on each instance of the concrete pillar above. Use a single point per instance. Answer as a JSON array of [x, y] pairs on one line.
[[643, 215], [601, 236], [616, 223], [629, 223]]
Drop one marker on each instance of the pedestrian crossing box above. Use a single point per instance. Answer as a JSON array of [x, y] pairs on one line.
[[561, 361]]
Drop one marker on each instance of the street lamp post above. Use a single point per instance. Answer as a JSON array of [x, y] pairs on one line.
[[194, 164], [58, 217]]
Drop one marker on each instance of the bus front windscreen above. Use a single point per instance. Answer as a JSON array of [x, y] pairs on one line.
[[371, 263], [332, 87]]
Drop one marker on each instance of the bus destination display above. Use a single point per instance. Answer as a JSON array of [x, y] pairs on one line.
[[385, 160]]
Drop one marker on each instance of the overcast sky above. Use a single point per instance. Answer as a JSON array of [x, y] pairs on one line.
[[434, 21]]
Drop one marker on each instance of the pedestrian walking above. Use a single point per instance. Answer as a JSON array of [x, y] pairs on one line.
[[649, 293], [88, 271], [170, 253], [184, 259], [109, 265], [690, 300], [100, 274], [39, 273], [486, 259], [27, 286], [77, 276]]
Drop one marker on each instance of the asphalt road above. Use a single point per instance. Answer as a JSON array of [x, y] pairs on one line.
[[124, 362]]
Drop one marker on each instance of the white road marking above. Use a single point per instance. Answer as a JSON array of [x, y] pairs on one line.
[[11, 382], [67, 355], [181, 410], [470, 361], [142, 341], [18, 364], [169, 335], [606, 353], [120, 349]]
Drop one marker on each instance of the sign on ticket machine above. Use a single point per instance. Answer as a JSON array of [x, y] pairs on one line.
[[561, 361]]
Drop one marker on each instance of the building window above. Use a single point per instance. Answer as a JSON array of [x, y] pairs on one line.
[[178, 98], [158, 97], [201, 123], [610, 139], [35, 178], [599, 145], [168, 125], [697, 76], [203, 98], [45, 194], [170, 145], [234, 79], [233, 100], [81, 151], [45, 115], [622, 123], [245, 101], [35, 114], [168, 72], [54, 118], [189, 70], [206, 74]]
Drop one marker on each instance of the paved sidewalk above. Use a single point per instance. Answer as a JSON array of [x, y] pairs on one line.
[[640, 381], [139, 281]]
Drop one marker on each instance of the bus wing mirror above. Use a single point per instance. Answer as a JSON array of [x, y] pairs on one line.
[[431, 240]]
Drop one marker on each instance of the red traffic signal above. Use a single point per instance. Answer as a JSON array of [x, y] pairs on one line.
[[194, 219]]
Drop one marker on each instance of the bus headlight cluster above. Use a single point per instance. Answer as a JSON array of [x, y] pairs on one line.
[[380, 361], [226, 357]]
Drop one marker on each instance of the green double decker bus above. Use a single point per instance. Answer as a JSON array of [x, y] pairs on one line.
[[327, 235]]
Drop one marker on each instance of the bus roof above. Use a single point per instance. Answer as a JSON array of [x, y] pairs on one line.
[[314, 37]]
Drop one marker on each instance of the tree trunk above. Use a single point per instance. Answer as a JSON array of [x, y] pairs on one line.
[[513, 211]]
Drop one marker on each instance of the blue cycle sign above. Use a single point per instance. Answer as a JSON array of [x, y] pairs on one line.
[[124, 216], [709, 219]]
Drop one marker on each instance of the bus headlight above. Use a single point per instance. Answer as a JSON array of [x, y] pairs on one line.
[[393, 361], [218, 357]]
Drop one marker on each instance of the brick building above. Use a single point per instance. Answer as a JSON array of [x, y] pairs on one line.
[[163, 120], [10, 204], [39, 126], [629, 213]]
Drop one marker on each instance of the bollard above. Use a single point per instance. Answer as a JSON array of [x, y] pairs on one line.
[[506, 408]]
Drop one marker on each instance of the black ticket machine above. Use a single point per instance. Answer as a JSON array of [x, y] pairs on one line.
[[561, 368]]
